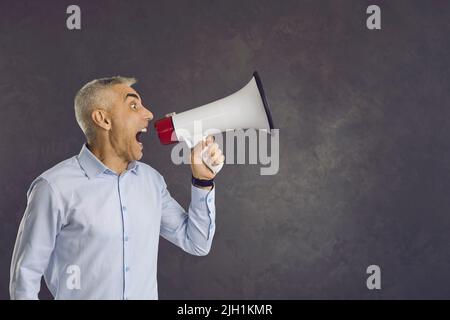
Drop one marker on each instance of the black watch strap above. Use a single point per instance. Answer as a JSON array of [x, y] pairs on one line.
[[202, 183]]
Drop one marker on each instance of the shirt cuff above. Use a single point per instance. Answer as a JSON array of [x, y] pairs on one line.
[[203, 199]]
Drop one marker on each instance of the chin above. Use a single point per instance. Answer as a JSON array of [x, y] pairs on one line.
[[136, 153]]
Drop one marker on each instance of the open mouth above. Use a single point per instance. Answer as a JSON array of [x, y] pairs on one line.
[[139, 135]]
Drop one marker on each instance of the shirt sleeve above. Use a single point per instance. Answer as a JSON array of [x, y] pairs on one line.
[[192, 231], [35, 241]]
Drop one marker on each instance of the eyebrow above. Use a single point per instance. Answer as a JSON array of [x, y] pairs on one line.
[[132, 95]]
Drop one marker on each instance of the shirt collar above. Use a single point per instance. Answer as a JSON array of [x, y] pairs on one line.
[[92, 166]]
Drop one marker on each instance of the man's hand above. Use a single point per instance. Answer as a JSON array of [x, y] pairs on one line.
[[199, 169]]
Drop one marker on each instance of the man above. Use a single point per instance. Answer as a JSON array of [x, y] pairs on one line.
[[93, 221]]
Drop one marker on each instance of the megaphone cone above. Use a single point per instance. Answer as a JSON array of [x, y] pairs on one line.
[[244, 109]]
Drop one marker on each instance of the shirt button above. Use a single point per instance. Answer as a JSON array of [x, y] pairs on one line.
[[124, 208], [126, 238], [209, 200], [127, 269]]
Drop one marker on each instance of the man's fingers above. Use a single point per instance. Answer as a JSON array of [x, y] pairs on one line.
[[213, 149], [213, 152], [209, 140], [218, 159], [206, 142], [217, 152], [217, 156]]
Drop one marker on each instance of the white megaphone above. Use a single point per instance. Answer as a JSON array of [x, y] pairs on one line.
[[244, 109]]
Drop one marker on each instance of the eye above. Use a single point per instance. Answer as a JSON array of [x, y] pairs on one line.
[[134, 105]]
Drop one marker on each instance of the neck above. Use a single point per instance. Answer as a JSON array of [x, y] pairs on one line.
[[108, 157]]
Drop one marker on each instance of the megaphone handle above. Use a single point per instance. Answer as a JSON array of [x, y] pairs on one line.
[[208, 161]]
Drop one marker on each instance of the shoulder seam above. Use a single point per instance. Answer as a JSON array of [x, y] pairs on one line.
[[54, 190]]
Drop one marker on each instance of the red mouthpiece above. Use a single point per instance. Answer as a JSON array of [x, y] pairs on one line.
[[165, 130]]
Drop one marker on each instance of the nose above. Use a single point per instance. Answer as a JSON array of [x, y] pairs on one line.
[[148, 114]]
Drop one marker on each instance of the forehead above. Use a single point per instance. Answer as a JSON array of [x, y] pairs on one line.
[[121, 90]]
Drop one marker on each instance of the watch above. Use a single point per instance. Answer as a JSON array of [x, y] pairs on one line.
[[202, 183]]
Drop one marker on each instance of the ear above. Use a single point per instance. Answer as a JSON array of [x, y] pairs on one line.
[[101, 118]]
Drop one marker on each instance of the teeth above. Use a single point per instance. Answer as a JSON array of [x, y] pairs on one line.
[[144, 130]]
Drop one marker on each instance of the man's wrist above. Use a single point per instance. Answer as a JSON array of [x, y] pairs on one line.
[[203, 184]]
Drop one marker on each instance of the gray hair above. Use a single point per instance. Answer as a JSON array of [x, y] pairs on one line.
[[90, 97]]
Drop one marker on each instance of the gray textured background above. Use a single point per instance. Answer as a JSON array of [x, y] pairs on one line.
[[364, 134]]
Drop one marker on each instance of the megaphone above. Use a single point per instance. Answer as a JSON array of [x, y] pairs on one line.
[[244, 109]]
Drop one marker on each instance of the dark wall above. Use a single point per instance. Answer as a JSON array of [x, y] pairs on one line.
[[364, 138]]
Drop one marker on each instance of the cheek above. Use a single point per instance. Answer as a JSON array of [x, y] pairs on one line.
[[119, 132], [121, 129]]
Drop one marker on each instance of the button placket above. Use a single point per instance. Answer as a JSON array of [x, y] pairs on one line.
[[124, 211]]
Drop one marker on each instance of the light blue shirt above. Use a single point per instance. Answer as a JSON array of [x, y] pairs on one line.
[[94, 234]]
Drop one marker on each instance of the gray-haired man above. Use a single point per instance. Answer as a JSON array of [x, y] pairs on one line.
[[92, 222]]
